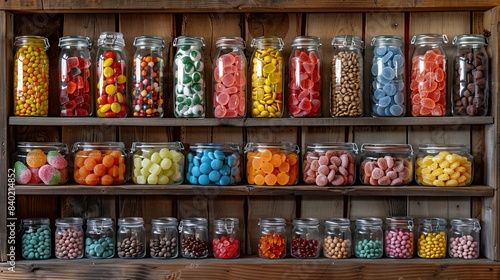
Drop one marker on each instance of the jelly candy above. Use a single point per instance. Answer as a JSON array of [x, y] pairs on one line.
[[304, 85], [36, 158], [229, 87], [49, 175], [56, 160], [265, 169], [22, 173], [95, 167]]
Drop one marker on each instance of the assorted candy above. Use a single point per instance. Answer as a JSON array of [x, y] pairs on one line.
[[111, 85], [50, 168]]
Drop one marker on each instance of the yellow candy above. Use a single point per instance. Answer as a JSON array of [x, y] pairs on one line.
[[443, 169], [107, 62], [115, 107]]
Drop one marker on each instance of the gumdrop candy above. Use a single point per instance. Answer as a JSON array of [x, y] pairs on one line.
[[35, 179], [23, 174], [49, 175], [55, 159], [36, 158]]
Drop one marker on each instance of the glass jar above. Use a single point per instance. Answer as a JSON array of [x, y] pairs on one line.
[[399, 237], [464, 238], [226, 241], [386, 164], [267, 77], [471, 82], [111, 71], [99, 238], [157, 163], [428, 75], [346, 99], [272, 164], [41, 162], [229, 78], [99, 163], [272, 242], [194, 238], [214, 164], [331, 164], [164, 239], [36, 238], [74, 76], [189, 73], [69, 238], [131, 238], [304, 85], [444, 165], [369, 238], [306, 239], [31, 76], [432, 238], [388, 77], [337, 242]]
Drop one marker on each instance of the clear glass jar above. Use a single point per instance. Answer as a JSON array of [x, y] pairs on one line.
[[36, 239], [369, 238], [31, 76], [41, 163], [272, 242], [304, 85], [267, 77], [157, 163], [164, 238], [337, 242], [226, 241], [428, 75], [131, 238], [388, 97], [194, 238], [214, 164], [111, 71], [229, 78], [306, 239], [189, 77], [444, 165], [69, 238], [432, 238], [464, 238], [148, 96], [386, 164], [346, 99], [471, 80], [399, 237], [331, 164], [99, 238], [74, 76], [272, 164]]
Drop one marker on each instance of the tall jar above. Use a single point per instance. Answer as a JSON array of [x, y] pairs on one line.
[[388, 97], [226, 240], [272, 242], [131, 238], [69, 238], [31, 76], [164, 238], [267, 77], [471, 81], [428, 75], [306, 238], [189, 77], [386, 164], [432, 238], [148, 96], [111, 76], [399, 237], [36, 239], [346, 94], [337, 241], [464, 238], [304, 85], [229, 78], [369, 238], [74, 76], [99, 238], [194, 238]]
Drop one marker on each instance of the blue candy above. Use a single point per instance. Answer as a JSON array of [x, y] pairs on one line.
[[206, 159], [214, 176], [387, 57], [204, 180], [216, 164], [389, 89], [205, 168], [384, 102], [219, 154], [388, 73], [225, 180], [225, 170], [195, 171], [380, 50], [399, 98], [396, 110], [210, 167]]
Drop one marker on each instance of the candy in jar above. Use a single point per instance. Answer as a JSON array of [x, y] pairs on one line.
[[386, 164], [369, 238], [36, 239], [337, 241], [99, 238], [464, 238], [272, 242], [399, 237], [164, 240], [131, 238], [69, 238], [194, 238], [306, 241], [432, 238], [226, 241]]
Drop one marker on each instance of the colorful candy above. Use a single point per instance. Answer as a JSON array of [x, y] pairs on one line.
[[111, 85], [148, 87], [48, 168], [96, 167], [271, 167], [229, 86], [432, 245], [385, 171], [330, 167], [213, 165], [158, 166], [272, 246], [444, 169]]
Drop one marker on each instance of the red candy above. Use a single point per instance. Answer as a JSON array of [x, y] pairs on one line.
[[74, 87], [226, 248], [229, 86], [385, 171], [304, 87], [111, 85]]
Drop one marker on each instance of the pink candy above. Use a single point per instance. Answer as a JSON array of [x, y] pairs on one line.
[[399, 243], [385, 171], [328, 168], [464, 247]]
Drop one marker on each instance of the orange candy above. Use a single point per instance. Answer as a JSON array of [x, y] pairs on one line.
[[97, 167], [272, 166], [36, 158], [272, 246]]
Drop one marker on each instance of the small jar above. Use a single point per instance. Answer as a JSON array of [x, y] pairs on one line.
[[214, 164], [306, 239], [164, 238], [272, 164], [99, 238], [444, 165], [432, 238], [428, 75], [69, 238], [330, 164], [31, 76], [346, 99], [272, 242], [399, 237], [464, 238], [194, 238], [266, 77], [337, 242], [386, 164], [131, 238], [304, 85], [36, 239], [471, 80], [189, 77], [369, 238], [229, 78], [226, 241], [41, 163], [157, 163], [74, 76]]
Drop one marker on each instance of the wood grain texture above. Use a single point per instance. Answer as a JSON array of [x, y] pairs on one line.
[[6, 145]]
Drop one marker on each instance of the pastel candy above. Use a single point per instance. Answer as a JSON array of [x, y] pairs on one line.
[[22, 173], [49, 175], [329, 167], [385, 171]]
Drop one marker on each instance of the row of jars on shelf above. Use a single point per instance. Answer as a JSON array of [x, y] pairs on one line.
[[260, 92]]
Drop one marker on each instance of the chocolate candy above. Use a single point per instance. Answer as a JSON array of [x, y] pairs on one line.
[[131, 247], [69, 243], [194, 248], [163, 247]]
